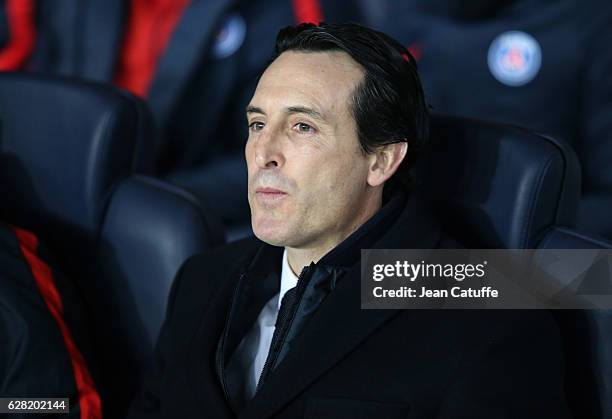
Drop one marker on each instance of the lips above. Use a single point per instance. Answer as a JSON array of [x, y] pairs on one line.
[[270, 197], [270, 191]]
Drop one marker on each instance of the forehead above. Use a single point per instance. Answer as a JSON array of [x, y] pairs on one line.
[[322, 80]]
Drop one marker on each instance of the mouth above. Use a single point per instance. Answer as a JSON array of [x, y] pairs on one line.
[[269, 195], [271, 191]]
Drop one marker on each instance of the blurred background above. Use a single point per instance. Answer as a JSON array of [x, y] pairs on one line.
[[542, 64]]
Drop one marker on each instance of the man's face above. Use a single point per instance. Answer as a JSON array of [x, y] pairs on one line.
[[307, 174]]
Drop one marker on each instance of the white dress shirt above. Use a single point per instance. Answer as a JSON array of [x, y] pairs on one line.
[[251, 353]]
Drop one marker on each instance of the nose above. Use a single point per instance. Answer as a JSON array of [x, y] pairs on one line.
[[268, 151]]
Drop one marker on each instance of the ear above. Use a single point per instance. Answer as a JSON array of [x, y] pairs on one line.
[[385, 161]]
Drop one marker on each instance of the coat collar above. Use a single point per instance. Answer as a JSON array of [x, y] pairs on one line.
[[347, 253]]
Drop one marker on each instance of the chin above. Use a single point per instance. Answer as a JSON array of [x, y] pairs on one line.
[[273, 232]]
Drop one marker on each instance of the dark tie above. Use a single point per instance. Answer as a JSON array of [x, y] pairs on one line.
[[284, 313]]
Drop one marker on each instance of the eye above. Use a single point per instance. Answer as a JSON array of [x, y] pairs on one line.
[[303, 128], [256, 126]]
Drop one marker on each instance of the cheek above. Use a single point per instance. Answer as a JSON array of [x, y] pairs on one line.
[[251, 163], [351, 168], [248, 154], [336, 181]]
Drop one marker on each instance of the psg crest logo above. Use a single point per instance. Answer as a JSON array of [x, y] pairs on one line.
[[230, 36], [514, 58]]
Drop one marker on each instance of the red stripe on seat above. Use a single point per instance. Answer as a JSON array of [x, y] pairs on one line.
[[307, 11], [89, 399], [22, 34], [150, 28]]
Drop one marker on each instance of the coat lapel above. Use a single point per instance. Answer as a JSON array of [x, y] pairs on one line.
[[340, 325], [200, 364]]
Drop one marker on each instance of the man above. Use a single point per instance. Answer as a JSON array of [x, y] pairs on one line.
[[272, 326]]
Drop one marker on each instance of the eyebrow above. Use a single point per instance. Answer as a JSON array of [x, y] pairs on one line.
[[254, 109], [291, 110], [307, 111]]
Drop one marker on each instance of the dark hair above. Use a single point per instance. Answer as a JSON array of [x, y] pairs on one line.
[[389, 104]]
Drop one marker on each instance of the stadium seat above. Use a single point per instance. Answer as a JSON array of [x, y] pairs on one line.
[[73, 163], [498, 186]]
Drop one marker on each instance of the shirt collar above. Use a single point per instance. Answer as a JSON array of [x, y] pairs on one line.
[[288, 278]]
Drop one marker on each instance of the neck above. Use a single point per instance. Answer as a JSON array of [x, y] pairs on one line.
[[300, 257]]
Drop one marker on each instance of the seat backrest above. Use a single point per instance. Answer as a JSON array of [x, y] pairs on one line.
[[587, 335], [498, 186], [63, 145], [150, 228], [70, 156]]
